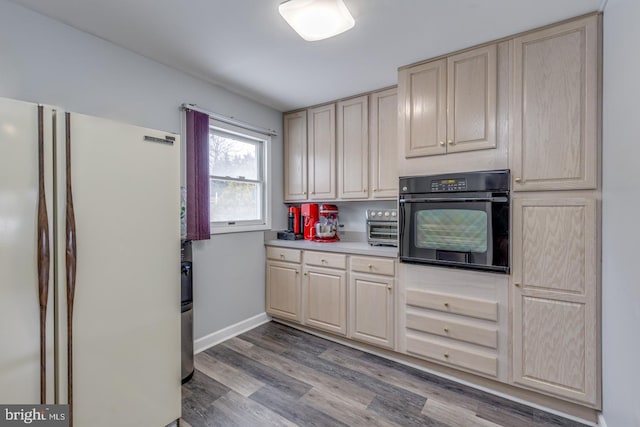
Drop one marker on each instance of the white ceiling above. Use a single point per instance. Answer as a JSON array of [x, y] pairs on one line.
[[245, 46]]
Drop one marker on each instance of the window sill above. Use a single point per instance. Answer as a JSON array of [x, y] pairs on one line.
[[239, 228]]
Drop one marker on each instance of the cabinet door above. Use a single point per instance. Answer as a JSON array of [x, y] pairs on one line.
[[283, 290], [295, 156], [472, 88], [423, 109], [353, 148], [322, 152], [383, 137], [371, 308], [326, 299], [556, 119], [555, 277]]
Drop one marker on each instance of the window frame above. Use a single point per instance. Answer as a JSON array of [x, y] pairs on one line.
[[263, 142]]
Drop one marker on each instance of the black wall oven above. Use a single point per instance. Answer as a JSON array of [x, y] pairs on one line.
[[458, 220]]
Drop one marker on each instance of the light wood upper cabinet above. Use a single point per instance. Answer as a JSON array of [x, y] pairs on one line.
[[555, 293], [322, 152], [383, 136], [555, 107], [472, 87], [353, 148], [422, 92], [295, 156], [449, 105]]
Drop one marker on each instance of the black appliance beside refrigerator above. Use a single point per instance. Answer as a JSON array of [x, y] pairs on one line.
[[186, 287]]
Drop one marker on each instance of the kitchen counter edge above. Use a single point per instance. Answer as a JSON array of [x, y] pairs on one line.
[[355, 248]]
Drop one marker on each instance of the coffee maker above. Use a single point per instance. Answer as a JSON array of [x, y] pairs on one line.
[[327, 225]]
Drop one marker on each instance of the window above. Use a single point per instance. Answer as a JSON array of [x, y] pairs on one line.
[[238, 169]]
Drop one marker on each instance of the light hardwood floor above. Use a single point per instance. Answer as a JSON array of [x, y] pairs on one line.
[[280, 376]]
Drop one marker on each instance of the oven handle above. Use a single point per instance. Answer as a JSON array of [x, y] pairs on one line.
[[454, 199]]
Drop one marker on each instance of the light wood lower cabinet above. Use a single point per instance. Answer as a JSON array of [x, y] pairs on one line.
[[284, 290], [325, 299], [284, 284], [458, 318], [371, 300], [554, 296]]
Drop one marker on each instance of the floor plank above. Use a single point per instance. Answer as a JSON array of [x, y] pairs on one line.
[[277, 375]]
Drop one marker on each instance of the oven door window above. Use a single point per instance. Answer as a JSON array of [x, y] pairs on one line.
[[457, 230], [474, 234]]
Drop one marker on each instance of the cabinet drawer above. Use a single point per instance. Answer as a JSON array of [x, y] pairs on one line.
[[326, 259], [461, 331], [447, 303], [457, 356], [373, 265], [283, 254]]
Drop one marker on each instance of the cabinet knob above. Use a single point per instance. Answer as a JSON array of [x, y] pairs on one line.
[[446, 304], [304, 192], [297, 272], [389, 287], [364, 190], [324, 261], [517, 285], [442, 143], [305, 273], [313, 192], [446, 330], [281, 256], [375, 189], [446, 355], [451, 142], [370, 266], [518, 179]]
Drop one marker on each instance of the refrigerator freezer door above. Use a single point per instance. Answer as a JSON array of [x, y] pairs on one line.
[[19, 314]]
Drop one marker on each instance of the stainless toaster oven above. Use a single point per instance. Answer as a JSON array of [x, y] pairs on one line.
[[382, 227]]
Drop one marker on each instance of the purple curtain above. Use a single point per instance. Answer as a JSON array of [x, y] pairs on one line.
[[198, 222]]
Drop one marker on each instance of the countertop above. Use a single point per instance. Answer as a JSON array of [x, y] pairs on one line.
[[350, 243]]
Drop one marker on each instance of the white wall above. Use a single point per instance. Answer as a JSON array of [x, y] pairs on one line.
[[621, 208], [44, 61]]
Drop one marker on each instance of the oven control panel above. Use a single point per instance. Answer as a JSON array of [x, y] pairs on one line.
[[450, 184]]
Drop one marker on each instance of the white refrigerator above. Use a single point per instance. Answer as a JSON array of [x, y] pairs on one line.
[[125, 318]]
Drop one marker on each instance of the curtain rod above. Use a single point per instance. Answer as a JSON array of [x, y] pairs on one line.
[[229, 120]]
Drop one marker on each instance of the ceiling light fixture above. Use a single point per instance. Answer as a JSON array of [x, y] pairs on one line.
[[317, 19]]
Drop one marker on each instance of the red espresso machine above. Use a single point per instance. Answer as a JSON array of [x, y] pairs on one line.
[[309, 212]]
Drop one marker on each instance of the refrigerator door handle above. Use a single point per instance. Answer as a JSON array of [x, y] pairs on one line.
[[70, 243], [43, 257]]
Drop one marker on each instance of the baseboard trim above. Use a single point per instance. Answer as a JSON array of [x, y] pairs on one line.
[[208, 341], [601, 421]]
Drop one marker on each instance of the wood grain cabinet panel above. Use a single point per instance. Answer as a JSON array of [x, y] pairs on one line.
[[321, 127], [460, 330], [555, 294], [555, 107], [284, 254], [326, 299], [284, 290], [295, 156], [472, 88], [353, 148], [325, 259], [448, 303], [383, 137], [371, 309]]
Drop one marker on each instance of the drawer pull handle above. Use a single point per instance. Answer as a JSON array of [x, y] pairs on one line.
[[324, 261], [517, 285], [518, 180], [370, 266], [446, 330], [446, 355], [446, 304], [281, 256]]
